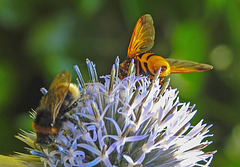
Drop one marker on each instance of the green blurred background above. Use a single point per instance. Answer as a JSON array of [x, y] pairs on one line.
[[39, 38]]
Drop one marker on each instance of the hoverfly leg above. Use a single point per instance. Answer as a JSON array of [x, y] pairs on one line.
[[137, 67], [160, 81]]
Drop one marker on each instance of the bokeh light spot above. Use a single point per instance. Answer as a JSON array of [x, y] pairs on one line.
[[221, 57]]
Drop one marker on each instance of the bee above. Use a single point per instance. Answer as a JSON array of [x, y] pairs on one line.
[[54, 105], [148, 64]]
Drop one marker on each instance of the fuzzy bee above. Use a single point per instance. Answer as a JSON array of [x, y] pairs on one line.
[[54, 105]]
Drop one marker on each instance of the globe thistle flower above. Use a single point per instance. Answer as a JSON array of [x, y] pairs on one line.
[[131, 122]]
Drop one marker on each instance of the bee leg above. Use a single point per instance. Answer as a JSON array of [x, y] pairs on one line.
[[76, 122], [74, 105], [71, 119], [39, 146], [35, 146], [41, 149]]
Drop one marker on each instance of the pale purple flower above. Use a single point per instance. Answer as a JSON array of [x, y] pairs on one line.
[[131, 122]]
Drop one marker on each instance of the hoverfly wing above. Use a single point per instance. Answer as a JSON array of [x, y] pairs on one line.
[[184, 66], [143, 36], [57, 92]]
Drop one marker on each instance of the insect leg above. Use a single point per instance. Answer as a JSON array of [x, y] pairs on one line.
[[41, 149], [76, 122], [161, 79], [137, 62], [74, 105]]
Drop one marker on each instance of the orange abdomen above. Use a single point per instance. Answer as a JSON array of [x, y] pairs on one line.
[[149, 63]]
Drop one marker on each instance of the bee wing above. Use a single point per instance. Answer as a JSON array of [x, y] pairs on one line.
[[143, 36], [57, 92], [184, 66]]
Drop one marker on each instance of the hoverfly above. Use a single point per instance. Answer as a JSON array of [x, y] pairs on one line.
[[148, 64], [50, 114]]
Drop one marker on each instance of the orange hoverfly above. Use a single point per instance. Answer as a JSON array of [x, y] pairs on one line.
[[148, 64]]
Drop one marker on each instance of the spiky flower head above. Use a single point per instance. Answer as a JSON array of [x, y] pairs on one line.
[[131, 122]]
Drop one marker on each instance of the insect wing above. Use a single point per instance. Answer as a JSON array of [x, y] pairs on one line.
[[184, 66], [57, 92], [143, 36]]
